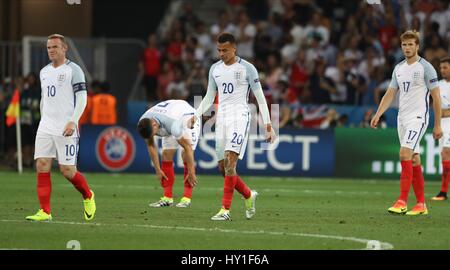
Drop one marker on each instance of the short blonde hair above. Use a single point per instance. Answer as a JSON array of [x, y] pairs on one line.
[[410, 34], [60, 37]]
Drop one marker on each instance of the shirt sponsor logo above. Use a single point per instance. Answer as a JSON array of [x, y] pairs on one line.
[[115, 149], [256, 80], [433, 80]]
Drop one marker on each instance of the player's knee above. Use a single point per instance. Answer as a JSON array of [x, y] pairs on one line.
[[42, 165], [406, 154], [445, 154], [416, 160], [167, 155], [67, 171]]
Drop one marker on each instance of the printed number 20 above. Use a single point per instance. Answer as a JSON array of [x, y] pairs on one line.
[[228, 88]]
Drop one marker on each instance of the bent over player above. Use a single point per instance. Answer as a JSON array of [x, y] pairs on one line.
[[168, 119]]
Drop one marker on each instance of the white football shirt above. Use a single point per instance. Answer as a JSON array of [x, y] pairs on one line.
[[170, 115], [444, 87], [414, 83], [233, 84], [59, 86]]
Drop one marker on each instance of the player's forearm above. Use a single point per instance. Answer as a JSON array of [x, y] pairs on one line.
[[206, 103], [262, 104], [437, 111], [189, 156], [445, 113], [153, 152], [385, 102], [80, 105]]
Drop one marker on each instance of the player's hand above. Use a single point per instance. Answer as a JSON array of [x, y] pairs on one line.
[[161, 175], [437, 133], [191, 122], [374, 121], [69, 129], [191, 179], [270, 135]]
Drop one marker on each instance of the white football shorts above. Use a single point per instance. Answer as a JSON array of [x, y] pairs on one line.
[[232, 134], [64, 149], [445, 140], [170, 142], [410, 133]]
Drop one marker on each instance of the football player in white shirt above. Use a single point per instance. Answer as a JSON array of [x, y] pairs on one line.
[[415, 79], [63, 99], [444, 142], [232, 78], [168, 119]]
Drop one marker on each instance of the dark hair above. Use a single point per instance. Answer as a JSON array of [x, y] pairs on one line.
[[226, 37], [445, 59], [144, 128]]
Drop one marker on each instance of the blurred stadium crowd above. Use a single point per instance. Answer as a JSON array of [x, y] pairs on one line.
[[322, 52], [306, 52]]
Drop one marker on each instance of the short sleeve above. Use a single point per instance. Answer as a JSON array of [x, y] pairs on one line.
[[394, 84], [430, 76]]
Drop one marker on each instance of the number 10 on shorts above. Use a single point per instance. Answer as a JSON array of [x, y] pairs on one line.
[[70, 150]]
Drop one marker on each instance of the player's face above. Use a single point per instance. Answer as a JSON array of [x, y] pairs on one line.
[[154, 125], [410, 48], [227, 51], [445, 70], [56, 50]]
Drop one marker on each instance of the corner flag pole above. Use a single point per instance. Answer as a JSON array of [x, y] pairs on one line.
[[19, 144]]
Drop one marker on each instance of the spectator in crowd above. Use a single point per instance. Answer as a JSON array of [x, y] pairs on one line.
[[165, 77], [104, 110], [150, 66], [196, 83], [320, 86], [30, 98], [245, 35], [177, 88], [355, 82]]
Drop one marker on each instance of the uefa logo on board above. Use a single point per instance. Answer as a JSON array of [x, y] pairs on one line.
[[115, 149]]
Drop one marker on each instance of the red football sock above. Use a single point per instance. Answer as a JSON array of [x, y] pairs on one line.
[[405, 179], [167, 168], [44, 189], [228, 188], [242, 188], [187, 186], [79, 182], [445, 175], [418, 184]]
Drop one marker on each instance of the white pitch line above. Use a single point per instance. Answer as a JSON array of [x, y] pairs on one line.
[[311, 191], [383, 245]]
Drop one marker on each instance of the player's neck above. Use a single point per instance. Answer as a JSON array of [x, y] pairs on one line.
[[58, 63], [413, 59], [232, 61]]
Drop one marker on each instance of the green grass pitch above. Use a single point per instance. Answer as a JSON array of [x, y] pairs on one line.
[[292, 214]]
